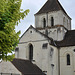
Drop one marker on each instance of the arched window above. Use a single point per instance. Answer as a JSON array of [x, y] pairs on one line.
[[52, 21], [68, 59], [30, 52], [44, 22], [67, 23]]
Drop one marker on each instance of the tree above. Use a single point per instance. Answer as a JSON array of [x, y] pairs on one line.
[[10, 16]]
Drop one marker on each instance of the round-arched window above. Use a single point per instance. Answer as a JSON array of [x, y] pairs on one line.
[[44, 22], [68, 59], [30, 52]]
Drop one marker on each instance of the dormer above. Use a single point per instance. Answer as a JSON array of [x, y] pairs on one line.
[[52, 14]]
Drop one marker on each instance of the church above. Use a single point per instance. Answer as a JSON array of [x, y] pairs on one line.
[[49, 47]]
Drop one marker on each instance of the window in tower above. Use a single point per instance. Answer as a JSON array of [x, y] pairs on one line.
[[67, 23], [52, 21], [64, 21], [44, 22], [68, 59]]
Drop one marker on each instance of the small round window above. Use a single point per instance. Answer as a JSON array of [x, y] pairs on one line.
[[30, 31]]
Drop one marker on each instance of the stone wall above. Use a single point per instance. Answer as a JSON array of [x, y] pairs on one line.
[[60, 18], [8, 67], [64, 68]]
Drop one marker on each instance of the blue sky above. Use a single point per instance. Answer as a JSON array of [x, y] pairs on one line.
[[35, 5]]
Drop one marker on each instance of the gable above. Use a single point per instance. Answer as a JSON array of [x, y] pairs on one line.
[[32, 34]]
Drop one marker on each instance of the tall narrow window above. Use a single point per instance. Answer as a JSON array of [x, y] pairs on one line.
[[67, 23], [52, 21], [44, 22], [68, 59], [64, 21], [30, 52]]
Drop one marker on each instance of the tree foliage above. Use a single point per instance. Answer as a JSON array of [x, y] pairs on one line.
[[10, 16]]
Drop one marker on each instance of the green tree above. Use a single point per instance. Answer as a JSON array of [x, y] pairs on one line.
[[10, 15]]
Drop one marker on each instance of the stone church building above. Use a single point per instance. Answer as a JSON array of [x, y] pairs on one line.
[[49, 47]]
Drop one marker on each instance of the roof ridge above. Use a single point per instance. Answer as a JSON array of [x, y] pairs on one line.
[[58, 4], [41, 7], [19, 59]]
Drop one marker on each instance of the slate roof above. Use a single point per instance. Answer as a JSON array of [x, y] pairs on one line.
[[26, 67], [69, 39], [51, 5]]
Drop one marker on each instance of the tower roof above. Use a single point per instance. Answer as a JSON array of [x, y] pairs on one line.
[[51, 5]]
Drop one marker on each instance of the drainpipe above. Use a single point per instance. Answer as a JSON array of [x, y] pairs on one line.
[[58, 61], [52, 68]]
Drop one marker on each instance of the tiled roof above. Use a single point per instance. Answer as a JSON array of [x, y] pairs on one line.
[[69, 39], [51, 5], [26, 67]]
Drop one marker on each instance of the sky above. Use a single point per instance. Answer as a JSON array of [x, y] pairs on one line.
[[35, 5]]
